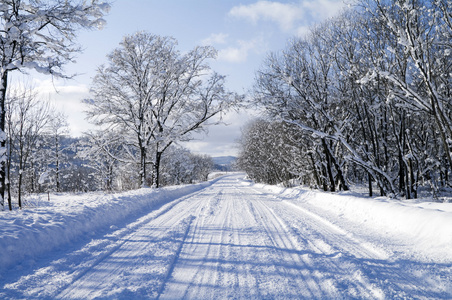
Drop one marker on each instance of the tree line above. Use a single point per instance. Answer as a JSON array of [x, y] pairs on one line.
[[146, 99], [150, 96], [43, 158], [365, 97]]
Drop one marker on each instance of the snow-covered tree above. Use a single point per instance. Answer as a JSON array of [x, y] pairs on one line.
[[26, 122], [418, 69], [180, 166], [100, 153], [274, 152], [40, 35], [371, 89], [58, 127], [154, 96], [202, 167], [295, 86]]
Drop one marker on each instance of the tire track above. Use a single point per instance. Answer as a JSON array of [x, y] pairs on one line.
[[160, 231], [290, 257], [176, 257], [234, 241], [359, 268], [332, 252]]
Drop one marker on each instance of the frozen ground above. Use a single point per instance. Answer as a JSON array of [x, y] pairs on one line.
[[227, 239]]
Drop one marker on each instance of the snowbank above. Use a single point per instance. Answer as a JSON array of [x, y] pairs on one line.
[[30, 232], [67, 218], [424, 224]]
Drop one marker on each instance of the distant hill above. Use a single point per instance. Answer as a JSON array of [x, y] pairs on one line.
[[224, 163]]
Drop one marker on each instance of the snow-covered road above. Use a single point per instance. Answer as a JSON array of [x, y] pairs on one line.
[[235, 240]]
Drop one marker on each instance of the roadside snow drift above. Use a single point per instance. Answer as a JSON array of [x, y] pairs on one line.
[[424, 225], [30, 232], [226, 239]]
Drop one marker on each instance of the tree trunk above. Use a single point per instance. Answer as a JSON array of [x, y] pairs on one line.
[[328, 165], [156, 170], [143, 166], [442, 132], [19, 195], [3, 86], [324, 180], [8, 172], [57, 157], [338, 168], [314, 168], [366, 146], [109, 182], [401, 173], [369, 178]]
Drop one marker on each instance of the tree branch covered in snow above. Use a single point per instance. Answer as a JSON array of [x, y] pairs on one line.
[[156, 96], [40, 35], [371, 92]]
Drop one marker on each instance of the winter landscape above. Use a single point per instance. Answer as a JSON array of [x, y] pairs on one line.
[[227, 238], [326, 174]]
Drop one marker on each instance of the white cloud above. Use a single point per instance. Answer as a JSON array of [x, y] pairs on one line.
[[221, 140], [240, 52], [302, 31], [323, 9], [288, 16], [283, 14], [215, 39], [67, 97]]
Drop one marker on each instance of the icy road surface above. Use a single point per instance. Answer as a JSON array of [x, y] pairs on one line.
[[234, 240]]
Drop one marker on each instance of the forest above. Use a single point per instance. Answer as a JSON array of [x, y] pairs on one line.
[[42, 157], [364, 99], [147, 98]]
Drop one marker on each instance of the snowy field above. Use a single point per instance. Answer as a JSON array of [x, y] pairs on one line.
[[228, 238]]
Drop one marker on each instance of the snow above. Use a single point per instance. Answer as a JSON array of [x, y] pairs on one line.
[[43, 177], [26, 234], [419, 224], [227, 238]]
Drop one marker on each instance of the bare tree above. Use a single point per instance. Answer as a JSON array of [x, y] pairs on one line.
[[420, 71], [58, 127], [372, 90], [27, 118], [99, 152], [296, 87], [40, 35], [180, 166], [155, 96], [275, 152]]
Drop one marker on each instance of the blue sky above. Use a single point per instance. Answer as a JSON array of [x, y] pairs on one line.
[[243, 32]]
